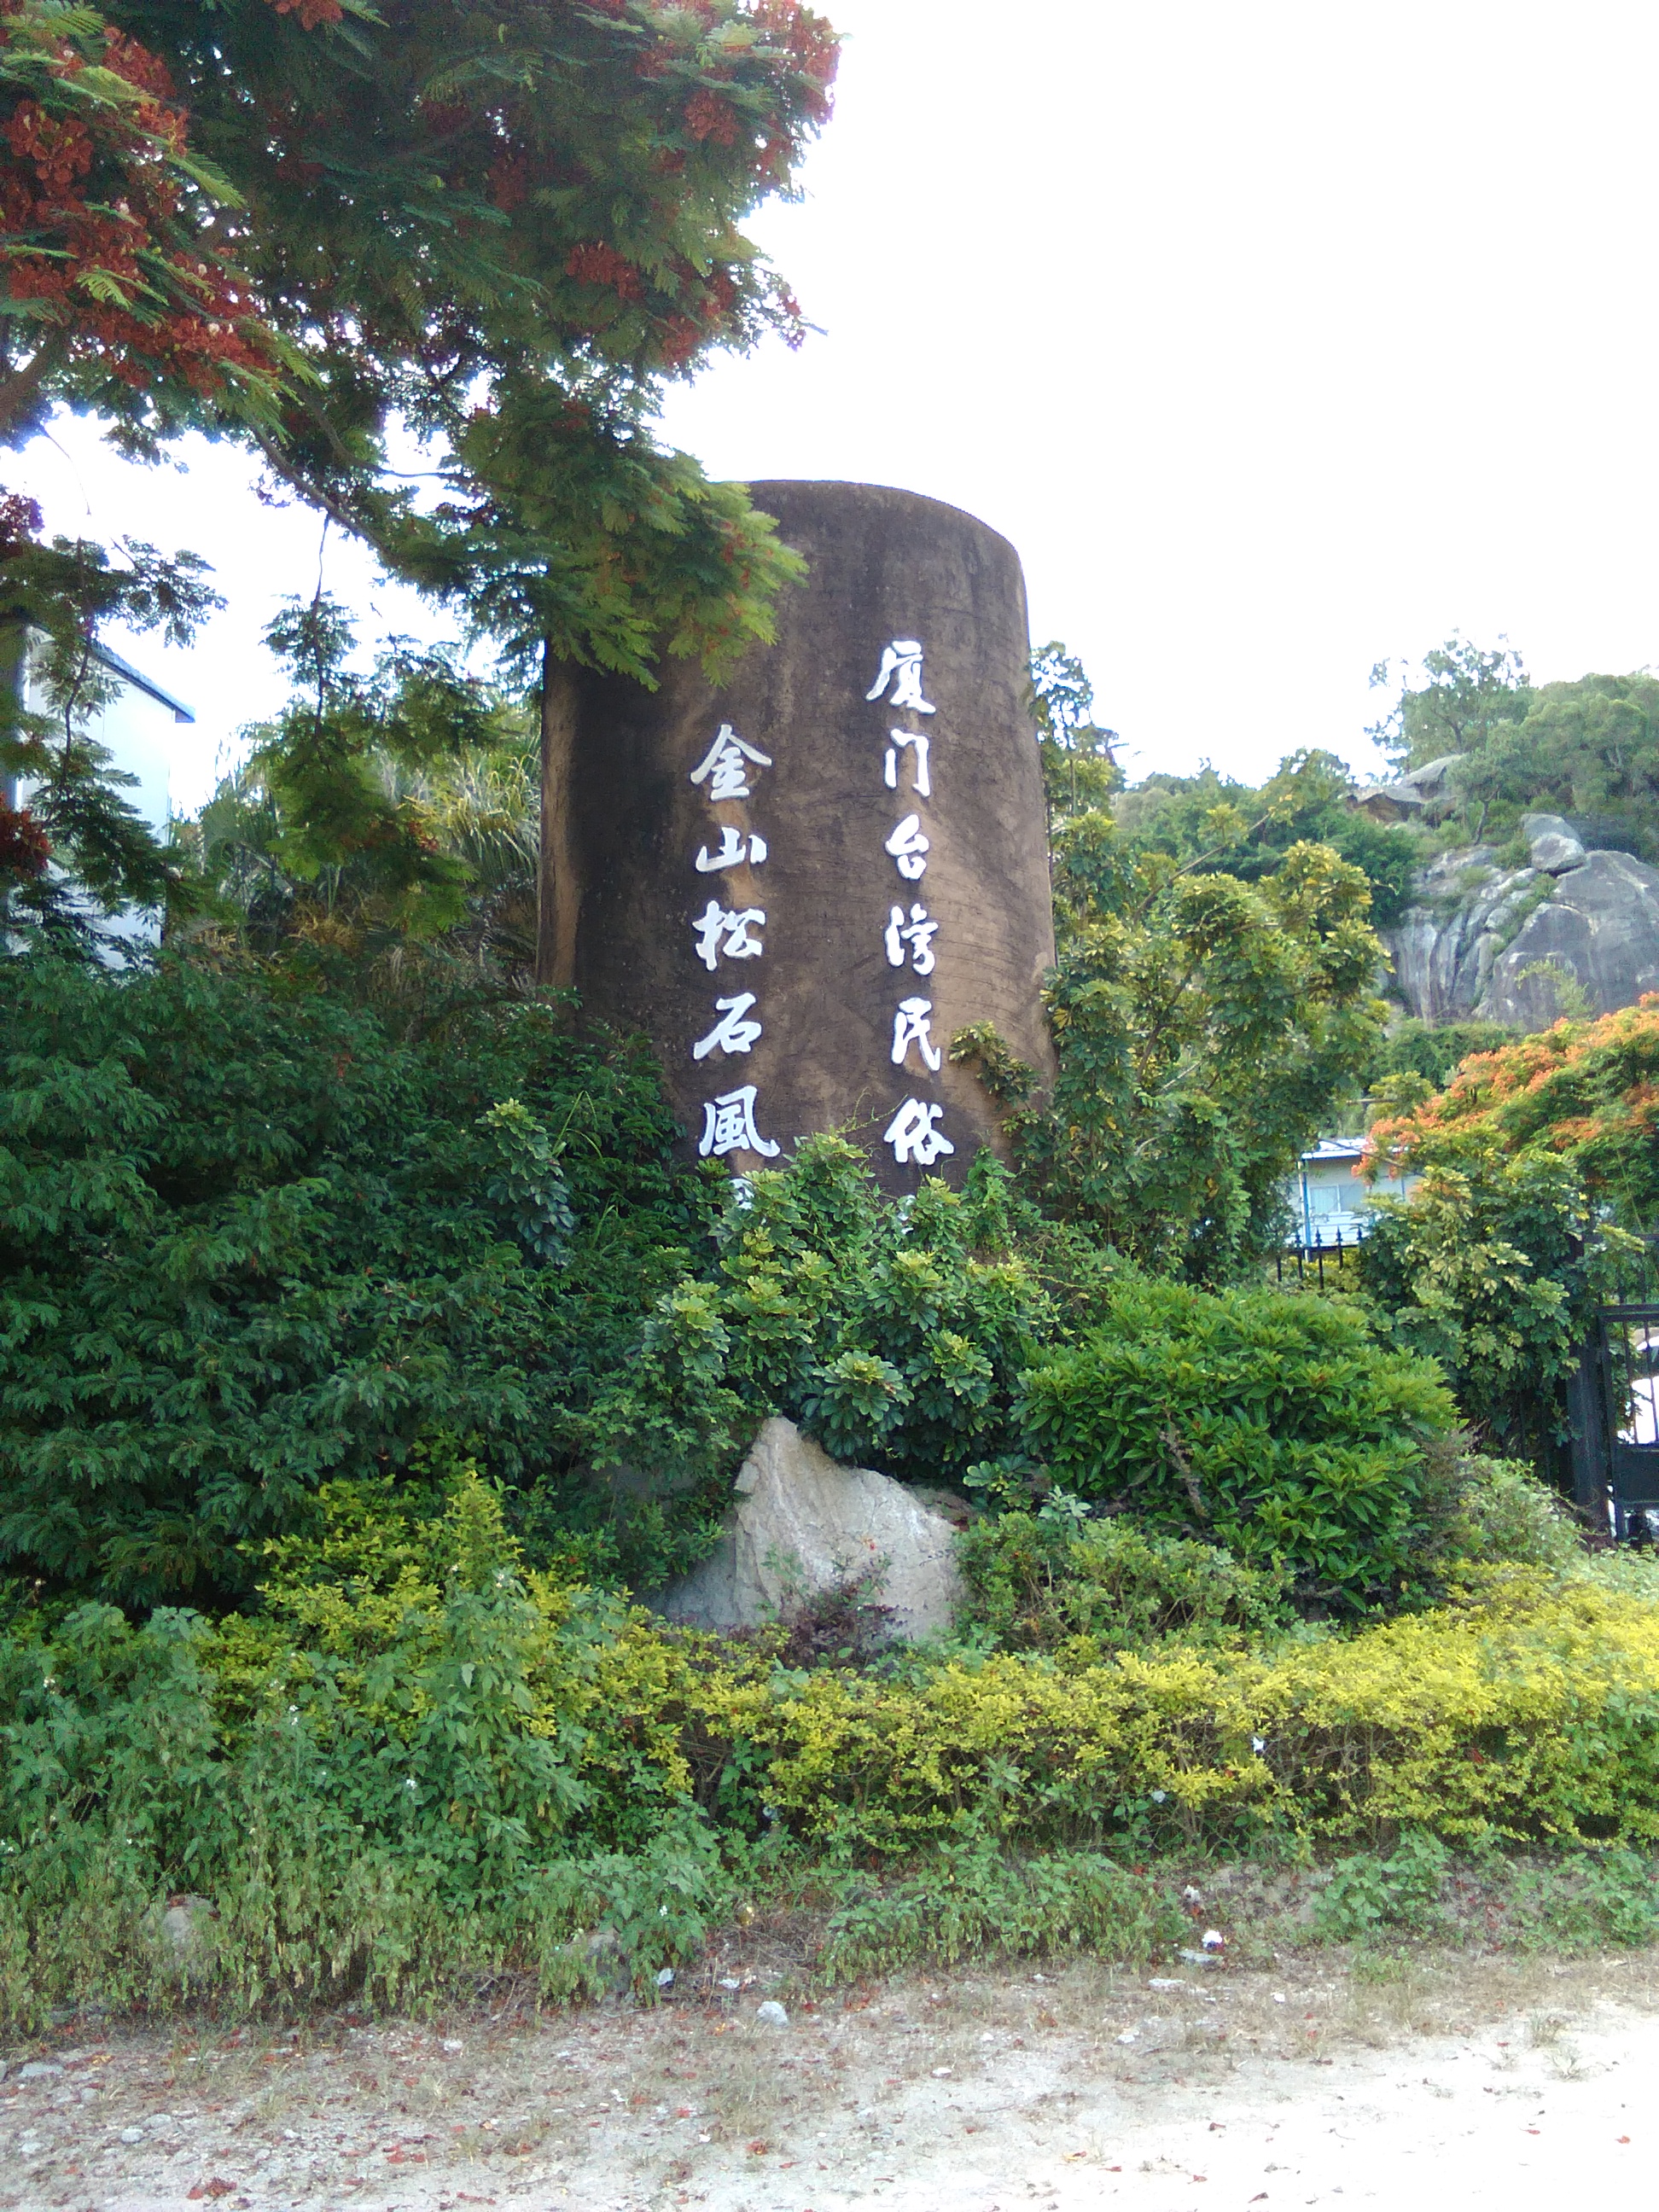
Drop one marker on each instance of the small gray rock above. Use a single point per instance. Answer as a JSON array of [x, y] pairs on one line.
[[1555, 845], [40, 2069], [771, 2015], [186, 1922], [132, 2134]]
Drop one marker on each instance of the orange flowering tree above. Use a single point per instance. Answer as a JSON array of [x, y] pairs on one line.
[[1540, 1168], [1587, 1092], [499, 225], [116, 295], [415, 203]]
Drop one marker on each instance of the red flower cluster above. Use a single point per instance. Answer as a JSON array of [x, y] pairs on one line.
[[708, 116], [311, 13], [20, 520], [812, 43], [509, 183], [680, 339], [90, 199], [599, 263], [24, 848]]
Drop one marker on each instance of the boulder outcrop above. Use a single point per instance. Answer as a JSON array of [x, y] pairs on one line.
[[802, 1524], [1600, 928], [1422, 795], [1573, 932]]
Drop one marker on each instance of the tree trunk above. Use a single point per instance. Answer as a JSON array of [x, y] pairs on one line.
[[558, 879]]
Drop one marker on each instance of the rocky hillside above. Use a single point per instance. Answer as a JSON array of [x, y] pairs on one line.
[[1575, 931]]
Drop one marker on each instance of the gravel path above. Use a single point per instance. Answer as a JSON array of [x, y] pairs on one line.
[[1454, 2084]]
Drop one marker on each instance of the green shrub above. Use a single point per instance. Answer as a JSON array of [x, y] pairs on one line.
[[1366, 1894], [251, 1239], [1527, 1712], [1574, 1901], [894, 1334], [970, 1897], [1585, 1900], [1269, 1423], [1506, 1515], [1037, 1584], [410, 1770]]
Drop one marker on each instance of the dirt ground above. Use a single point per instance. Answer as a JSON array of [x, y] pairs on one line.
[[1406, 2082]]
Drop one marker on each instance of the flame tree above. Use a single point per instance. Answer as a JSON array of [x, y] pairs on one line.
[[499, 225]]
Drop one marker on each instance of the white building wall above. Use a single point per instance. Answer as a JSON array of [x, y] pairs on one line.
[[137, 732], [137, 729]]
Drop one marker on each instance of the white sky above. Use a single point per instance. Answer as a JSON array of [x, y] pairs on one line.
[[1278, 338]]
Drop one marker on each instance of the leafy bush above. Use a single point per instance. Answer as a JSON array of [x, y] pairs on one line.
[[1205, 1029], [1366, 1894], [1587, 1899], [411, 1768], [1267, 1423], [970, 1897], [1038, 1585], [1539, 1165], [251, 1240], [930, 1340], [415, 1767], [1506, 1515], [894, 1334], [1527, 1712], [1494, 1269], [1572, 1900]]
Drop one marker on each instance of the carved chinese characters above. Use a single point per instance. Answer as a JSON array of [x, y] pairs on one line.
[[803, 882], [914, 1132], [725, 933]]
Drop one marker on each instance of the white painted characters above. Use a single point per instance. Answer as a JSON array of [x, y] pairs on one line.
[[912, 940], [725, 765], [912, 1025], [917, 741], [728, 1126], [732, 852], [908, 846], [723, 931], [901, 666], [915, 1136], [732, 1033]]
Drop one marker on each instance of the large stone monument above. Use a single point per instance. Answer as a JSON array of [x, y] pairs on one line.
[[802, 882]]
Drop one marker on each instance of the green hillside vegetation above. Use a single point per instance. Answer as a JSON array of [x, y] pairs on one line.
[[1588, 749], [367, 1348]]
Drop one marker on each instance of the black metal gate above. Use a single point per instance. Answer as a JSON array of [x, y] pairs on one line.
[[1612, 1405]]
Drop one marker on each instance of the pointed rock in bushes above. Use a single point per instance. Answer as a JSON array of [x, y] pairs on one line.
[[802, 1524]]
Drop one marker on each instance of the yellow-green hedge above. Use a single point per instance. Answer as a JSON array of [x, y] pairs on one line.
[[1528, 1710]]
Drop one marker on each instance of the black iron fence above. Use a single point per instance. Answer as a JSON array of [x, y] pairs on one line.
[[1612, 1403], [1327, 1264]]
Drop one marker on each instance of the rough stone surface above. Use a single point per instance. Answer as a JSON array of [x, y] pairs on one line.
[[803, 1522], [185, 1921], [1601, 928], [1485, 943], [1442, 948], [883, 565], [1555, 845], [1420, 796]]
